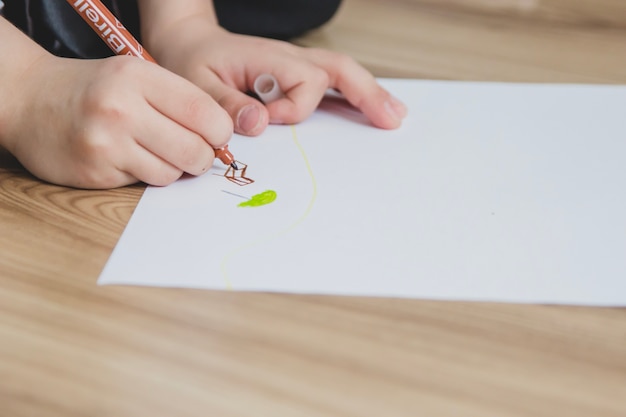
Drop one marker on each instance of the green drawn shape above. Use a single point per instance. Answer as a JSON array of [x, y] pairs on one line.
[[288, 229], [258, 200]]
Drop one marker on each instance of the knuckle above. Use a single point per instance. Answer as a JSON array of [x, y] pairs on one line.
[[299, 113], [122, 66], [195, 109], [112, 113], [91, 176], [226, 128], [164, 177], [95, 153], [294, 115], [101, 104], [321, 79], [92, 145], [106, 95], [221, 129], [343, 61], [193, 155], [105, 180]]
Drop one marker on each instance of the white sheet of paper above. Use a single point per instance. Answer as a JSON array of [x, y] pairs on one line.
[[493, 192]]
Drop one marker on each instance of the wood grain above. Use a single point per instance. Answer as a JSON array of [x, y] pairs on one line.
[[436, 40], [582, 14], [70, 348]]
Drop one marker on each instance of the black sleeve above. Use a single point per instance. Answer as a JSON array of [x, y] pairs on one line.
[[58, 28]]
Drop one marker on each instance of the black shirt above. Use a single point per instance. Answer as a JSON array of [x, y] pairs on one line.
[[57, 27]]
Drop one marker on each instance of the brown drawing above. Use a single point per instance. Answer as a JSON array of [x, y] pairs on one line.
[[238, 176]]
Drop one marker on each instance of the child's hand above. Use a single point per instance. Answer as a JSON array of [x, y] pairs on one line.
[[108, 123], [226, 65]]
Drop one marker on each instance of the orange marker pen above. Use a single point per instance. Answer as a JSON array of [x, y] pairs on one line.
[[121, 42]]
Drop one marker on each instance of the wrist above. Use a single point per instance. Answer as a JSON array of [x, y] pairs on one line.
[[24, 55], [159, 18], [179, 40]]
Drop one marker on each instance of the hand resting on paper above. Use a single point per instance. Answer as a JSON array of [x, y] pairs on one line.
[[226, 65]]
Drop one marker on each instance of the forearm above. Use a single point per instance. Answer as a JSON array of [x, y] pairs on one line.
[[18, 54], [158, 17]]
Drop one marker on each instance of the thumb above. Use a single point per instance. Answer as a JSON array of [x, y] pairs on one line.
[[250, 117]]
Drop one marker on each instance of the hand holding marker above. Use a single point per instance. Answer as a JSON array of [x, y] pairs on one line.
[[121, 42]]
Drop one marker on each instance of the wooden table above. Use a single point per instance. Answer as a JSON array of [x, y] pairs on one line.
[[70, 348]]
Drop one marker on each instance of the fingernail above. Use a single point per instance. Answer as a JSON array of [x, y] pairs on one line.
[[395, 108], [249, 118]]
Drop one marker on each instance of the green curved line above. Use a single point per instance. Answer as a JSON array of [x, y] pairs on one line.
[[294, 225]]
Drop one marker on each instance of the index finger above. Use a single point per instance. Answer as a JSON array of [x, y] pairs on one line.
[[188, 105]]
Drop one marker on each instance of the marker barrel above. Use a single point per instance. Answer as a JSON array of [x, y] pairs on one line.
[[224, 155], [106, 25]]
